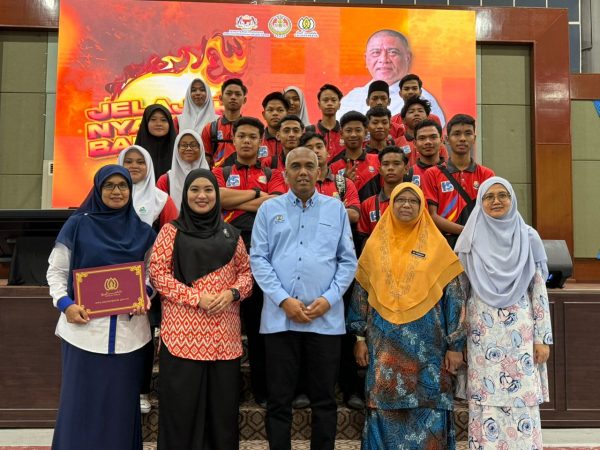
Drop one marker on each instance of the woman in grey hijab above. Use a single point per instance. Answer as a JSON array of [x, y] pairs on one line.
[[508, 322]]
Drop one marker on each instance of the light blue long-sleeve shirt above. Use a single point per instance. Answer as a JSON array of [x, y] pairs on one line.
[[304, 253]]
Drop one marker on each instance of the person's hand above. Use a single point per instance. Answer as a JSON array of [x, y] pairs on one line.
[[205, 301], [541, 353], [361, 353], [317, 308], [77, 314], [139, 311], [452, 361], [350, 171], [220, 302], [295, 310]]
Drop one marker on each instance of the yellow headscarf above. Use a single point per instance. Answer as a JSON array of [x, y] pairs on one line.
[[405, 266]]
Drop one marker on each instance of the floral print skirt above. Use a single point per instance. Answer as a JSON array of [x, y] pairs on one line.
[[409, 429], [504, 428]]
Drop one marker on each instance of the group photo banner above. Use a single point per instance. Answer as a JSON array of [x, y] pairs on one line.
[[116, 57]]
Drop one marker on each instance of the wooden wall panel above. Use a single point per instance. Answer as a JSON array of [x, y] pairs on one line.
[[29, 14]]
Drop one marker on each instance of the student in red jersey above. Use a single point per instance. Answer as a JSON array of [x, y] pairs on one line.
[[217, 135], [329, 184], [378, 127], [288, 136], [354, 162], [329, 97], [414, 111], [451, 190], [244, 186], [379, 97], [411, 86], [428, 142], [394, 164], [275, 107]]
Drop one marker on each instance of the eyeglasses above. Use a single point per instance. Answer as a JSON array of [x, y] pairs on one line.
[[191, 145], [502, 197], [411, 201], [111, 187]]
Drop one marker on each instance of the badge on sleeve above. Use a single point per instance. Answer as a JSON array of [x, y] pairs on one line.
[[233, 181]]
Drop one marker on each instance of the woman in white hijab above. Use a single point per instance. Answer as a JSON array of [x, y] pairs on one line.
[[508, 322], [198, 107], [188, 154], [150, 203], [295, 97]]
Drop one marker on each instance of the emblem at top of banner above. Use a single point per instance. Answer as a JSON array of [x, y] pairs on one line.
[[246, 25], [306, 28], [280, 25]]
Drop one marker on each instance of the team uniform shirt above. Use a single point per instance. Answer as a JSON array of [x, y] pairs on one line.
[[333, 138], [370, 214], [389, 141], [407, 144], [275, 162], [439, 190], [269, 146], [244, 177], [224, 153], [328, 186], [367, 178], [416, 175]]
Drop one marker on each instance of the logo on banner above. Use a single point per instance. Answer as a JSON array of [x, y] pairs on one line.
[[306, 28], [280, 26], [246, 25]]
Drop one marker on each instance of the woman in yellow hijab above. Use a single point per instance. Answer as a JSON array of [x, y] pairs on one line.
[[407, 312]]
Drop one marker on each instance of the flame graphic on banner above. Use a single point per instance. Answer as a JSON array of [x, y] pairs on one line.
[[215, 60]]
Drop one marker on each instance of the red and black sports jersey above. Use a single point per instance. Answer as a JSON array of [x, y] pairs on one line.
[[328, 186], [269, 146], [242, 177], [333, 138], [370, 214], [416, 174], [398, 124], [367, 178], [439, 190], [218, 142]]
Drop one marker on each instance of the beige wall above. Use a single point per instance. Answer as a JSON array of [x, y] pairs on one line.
[[27, 90], [585, 132]]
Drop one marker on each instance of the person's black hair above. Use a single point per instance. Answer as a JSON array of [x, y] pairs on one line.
[[378, 111], [252, 121], [275, 96], [428, 123], [352, 116], [460, 119], [392, 149], [293, 117], [307, 136], [235, 81], [410, 77], [330, 87], [413, 101]]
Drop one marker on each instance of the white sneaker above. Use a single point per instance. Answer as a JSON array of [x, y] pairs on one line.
[[145, 405]]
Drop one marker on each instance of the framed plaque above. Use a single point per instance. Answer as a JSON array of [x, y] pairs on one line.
[[110, 290]]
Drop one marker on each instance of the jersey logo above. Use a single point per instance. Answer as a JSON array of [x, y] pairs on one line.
[[262, 179], [371, 169], [373, 216], [279, 218], [263, 151], [416, 179], [233, 181], [476, 185], [446, 186], [406, 149], [220, 135]]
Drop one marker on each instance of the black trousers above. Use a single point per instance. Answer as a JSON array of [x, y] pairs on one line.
[[350, 380], [250, 311], [322, 358], [198, 403]]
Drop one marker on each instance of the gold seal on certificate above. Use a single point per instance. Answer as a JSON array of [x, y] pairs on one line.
[[110, 290]]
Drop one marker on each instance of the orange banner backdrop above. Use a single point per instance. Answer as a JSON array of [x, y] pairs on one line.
[[118, 56]]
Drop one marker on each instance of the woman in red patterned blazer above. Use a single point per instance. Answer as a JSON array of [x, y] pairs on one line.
[[200, 266]]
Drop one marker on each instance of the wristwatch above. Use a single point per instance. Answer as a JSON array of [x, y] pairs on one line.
[[257, 191], [236, 294]]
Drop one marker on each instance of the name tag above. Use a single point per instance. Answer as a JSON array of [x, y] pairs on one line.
[[417, 254]]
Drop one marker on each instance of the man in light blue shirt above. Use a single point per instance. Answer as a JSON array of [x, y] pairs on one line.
[[303, 258]]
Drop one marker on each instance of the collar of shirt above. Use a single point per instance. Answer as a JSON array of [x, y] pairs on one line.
[[424, 166], [383, 197], [225, 121], [239, 165], [362, 156], [453, 169], [294, 200], [269, 136], [324, 130]]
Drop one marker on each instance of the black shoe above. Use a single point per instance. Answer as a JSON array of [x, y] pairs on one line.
[[355, 402], [301, 402]]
